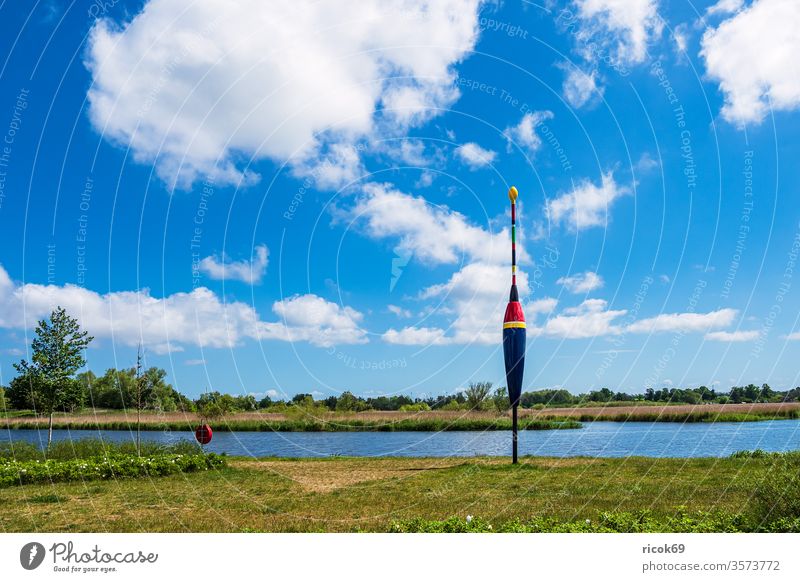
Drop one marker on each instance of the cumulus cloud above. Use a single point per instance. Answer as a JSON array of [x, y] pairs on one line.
[[475, 156], [434, 234], [416, 336], [196, 318], [753, 56], [315, 320], [685, 322], [732, 336], [194, 88], [581, 282], [580, 88], [591, 318], [477, 296], [587, 204], [399, 311], [621, 28], [524, 133], [725, 7], [245, 271], [645, 164], [680, 34], [332, 167]]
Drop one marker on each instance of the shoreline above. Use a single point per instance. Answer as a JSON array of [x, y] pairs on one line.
[[395, 421]]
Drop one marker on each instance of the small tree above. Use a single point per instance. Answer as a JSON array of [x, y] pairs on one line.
[[57, 355], [500, 399], [477, 393], [143, 394]]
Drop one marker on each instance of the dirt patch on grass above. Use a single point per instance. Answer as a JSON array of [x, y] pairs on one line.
[[326, 476]]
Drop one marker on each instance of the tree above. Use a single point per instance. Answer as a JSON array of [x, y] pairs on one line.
[[476, 393], [21, 391], [500, 399], [57, 355], [349, 402], [143, 395], [3, 404]]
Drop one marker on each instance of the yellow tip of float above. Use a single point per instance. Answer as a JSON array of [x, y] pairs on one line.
[[512, 194]]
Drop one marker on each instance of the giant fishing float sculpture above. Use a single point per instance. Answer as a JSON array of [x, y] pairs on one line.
[[514, 332]]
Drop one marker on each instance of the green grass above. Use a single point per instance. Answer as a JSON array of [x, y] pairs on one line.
[[87, 448], [419, 494], [115, 466]]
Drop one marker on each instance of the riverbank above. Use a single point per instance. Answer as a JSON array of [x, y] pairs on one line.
[[254, 422], [412, 494], [436, 420]]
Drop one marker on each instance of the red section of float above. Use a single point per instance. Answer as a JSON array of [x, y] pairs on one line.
[[514, 312], [203, 434]]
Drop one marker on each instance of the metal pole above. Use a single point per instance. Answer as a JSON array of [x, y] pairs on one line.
[[514, 434]]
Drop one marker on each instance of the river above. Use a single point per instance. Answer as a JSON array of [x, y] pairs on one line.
[[595, 439]]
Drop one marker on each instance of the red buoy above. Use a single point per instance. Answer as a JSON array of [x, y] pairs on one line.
[[203, 434]]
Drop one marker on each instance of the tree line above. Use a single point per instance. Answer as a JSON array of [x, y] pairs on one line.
[[51, 382]]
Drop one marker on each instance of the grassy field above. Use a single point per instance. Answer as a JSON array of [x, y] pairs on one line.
[[544, 418], [348, 494]]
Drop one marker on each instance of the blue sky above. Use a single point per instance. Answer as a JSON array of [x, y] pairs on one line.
[[313, 198]]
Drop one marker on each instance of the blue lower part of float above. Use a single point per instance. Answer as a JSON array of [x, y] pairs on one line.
[[514, 353]]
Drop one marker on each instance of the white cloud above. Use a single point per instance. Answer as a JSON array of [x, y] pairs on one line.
[[399, 311], [244, 271], [195, 362], [587, 204], [725, 7], [795, 335], [623, 28], [524, 133], [680, 34], [196, 87], [753, 56], [589, 319], [684, 322], [434, 234], [732, 336], [315, 320], [646, 163], [197, 318], [581, 282], [416, 336], [332, 167], [541, 306], [410, 152], [475, 156], [580, 88], [425, 180], [477, 295]]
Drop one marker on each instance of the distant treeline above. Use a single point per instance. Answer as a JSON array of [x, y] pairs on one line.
[[116, 389]]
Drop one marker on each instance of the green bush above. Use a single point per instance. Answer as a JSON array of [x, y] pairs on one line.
[[606, 522], [418, 407], [115, 466], [776, 494], [86, 448]]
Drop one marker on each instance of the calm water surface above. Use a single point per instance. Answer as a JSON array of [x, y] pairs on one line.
[[596, 439]]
